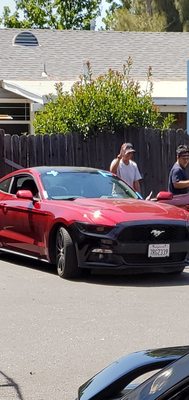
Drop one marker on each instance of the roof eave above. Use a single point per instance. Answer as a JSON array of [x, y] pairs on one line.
[[34, 97]]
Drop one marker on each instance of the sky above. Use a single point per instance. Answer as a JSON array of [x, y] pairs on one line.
[[4, 3], [11, 4]]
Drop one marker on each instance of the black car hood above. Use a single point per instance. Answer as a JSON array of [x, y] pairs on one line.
[[120, 373]]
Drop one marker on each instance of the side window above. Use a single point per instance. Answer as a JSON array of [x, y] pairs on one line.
[[4, 185], [24, 182], [17, 183]]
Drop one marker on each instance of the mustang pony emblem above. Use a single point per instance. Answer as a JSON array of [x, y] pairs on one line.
[[156, 233]]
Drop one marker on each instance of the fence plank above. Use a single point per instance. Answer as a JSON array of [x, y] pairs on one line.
[[15, 148], [23, 151], [39, 149], [8, 151], [92, 151], [55, 149], [31, 150], [65, 159], [47, 149]]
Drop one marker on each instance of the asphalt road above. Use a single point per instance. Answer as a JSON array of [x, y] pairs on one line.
[[55, 334]]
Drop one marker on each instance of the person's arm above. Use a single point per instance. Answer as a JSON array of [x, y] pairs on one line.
[[136, 186], [181, 184], [178, 180], [115, 164], [138, 177]]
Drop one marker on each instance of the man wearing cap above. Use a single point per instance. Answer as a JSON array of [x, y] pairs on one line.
[[178, 182], [125, 167]]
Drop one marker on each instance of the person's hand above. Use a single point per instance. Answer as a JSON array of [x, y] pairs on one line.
[[122, 152]]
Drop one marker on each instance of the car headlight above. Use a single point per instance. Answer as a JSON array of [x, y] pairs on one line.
[[93, 229]]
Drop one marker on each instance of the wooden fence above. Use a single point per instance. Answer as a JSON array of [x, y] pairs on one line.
[[155, 152]]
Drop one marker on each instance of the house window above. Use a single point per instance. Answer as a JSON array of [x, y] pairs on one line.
[[15, 118], [26, 39], [15, 111]]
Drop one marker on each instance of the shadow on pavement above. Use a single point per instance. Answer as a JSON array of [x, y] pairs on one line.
[[111, 278], [8, 388], [28, 262], [142, 280]]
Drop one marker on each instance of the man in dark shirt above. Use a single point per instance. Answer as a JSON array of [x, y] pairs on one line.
[[178, 182]]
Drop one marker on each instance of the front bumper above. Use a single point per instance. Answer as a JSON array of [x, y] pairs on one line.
[[125, 246]]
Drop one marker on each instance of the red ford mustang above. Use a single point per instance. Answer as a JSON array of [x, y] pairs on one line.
[[84, 218]]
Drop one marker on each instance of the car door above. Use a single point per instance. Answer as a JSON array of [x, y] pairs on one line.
[[24, 221]]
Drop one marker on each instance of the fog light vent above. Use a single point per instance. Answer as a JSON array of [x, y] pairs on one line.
[[102, 251]]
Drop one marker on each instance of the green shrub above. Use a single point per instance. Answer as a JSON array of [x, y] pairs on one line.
[[107, 103]]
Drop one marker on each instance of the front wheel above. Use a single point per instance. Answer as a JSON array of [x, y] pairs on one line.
[[66, 258]]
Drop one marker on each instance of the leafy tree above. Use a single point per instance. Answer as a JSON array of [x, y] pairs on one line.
[[169, 9], [122, 20], [134, 15], [182, 7], [108, 103], [56, 14], [148, 15]]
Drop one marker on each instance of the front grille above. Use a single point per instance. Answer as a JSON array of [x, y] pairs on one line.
[[154, 233]]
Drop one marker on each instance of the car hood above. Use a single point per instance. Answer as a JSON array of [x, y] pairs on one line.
[[113, 211], [120, 373]]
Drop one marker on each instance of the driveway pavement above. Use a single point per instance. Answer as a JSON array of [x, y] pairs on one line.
[[55, 334]]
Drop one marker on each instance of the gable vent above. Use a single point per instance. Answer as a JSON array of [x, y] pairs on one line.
[[26, 39]]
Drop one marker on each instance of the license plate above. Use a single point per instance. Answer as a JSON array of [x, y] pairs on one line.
[[158, 250]]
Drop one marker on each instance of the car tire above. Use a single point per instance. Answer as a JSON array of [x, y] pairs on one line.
[[66, 258]]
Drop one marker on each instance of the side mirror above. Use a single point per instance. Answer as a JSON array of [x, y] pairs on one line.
[[164, 196], [24, 194]]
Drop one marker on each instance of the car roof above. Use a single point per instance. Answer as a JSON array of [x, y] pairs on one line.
[[39, 170], [43, 169]]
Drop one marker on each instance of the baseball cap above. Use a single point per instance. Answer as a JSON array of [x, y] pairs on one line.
[[129, 148], [182, 150]]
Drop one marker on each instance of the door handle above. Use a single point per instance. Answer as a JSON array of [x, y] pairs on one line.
[[4, 207]]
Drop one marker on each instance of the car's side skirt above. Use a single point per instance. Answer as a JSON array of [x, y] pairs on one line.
[[23, 254]]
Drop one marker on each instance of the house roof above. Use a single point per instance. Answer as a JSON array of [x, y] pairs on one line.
[[62, 54]]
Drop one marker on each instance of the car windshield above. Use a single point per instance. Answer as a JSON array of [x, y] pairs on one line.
[[62, 185]]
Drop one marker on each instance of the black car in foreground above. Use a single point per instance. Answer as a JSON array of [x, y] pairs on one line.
[[125, 378]]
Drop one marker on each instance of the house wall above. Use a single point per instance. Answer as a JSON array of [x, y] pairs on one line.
[[5, 94]]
